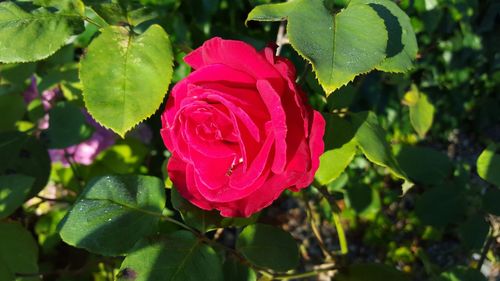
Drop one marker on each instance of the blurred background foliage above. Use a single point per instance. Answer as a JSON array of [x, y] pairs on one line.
[[438, 118]]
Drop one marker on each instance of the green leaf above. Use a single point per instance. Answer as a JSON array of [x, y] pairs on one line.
[[63, 5], [33, 36], [5, 272], [474, 231], [193, 216], [488, 165], [340, 148], [23, 154], [179, 256], [125, 157], [125, 76], [339, 46], [12, 107], [110, 12], [113, 213], [422, 114], [449, 203], [205, 220], [370, 138], [433, 166], [490, 201], [333, 162], [461, 273], [268, 246], [13, 192], [17, 73], [67, 126], [370, 271], [363, 199], [402, 44], [18, 250], [236, 271]]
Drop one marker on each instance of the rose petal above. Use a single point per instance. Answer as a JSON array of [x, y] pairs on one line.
[[273, 103]]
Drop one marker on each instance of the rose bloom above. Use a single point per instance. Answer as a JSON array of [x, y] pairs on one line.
[[239, 129]]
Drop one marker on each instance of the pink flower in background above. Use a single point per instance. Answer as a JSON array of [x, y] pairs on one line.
[[239, 129], [83, 153]]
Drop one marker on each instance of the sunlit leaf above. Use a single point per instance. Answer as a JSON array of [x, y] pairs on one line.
[[488, 165], [402, 46], [339, 46], [125, 76], [371, 140], [421, 112], [30, 36]]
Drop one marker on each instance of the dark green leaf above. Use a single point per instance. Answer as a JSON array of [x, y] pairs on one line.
[[113, 213], [474, 232], [67, 126], [12, 108], [433, 166], [205, 220], [13, 192], [126, 76], [461, 274], [193, 216], [490, 201], [371, 272], [440, 206], [178, 257], [22, 154], [17, 73], [236, 271], [268, 246], [18, 250], [5, 272], [33, 36]]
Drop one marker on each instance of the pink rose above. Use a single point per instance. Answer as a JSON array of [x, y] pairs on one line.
[[239, 129]]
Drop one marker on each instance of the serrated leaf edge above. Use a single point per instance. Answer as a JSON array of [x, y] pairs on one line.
[[141, 119]]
